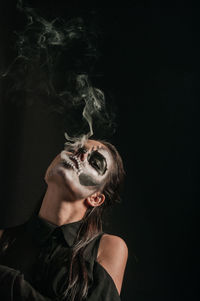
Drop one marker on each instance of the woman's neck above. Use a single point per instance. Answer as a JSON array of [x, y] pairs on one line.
[[57, 210]]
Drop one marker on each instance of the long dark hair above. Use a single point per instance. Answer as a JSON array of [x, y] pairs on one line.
[[78, 286]]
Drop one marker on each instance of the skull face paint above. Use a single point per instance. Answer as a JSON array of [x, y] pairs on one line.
[[99, 163], [85, 170], [87, 180]]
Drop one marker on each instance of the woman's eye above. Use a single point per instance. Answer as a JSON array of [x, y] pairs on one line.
[[97, 161]]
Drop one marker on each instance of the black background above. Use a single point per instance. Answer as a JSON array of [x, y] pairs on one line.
[[150, 66]]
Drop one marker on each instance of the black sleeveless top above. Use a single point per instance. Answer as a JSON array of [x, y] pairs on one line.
[[34, 265]]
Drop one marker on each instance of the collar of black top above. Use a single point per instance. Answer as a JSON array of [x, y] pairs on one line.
[[42, 230]]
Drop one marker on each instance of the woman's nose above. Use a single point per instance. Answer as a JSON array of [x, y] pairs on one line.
[[82, 154]]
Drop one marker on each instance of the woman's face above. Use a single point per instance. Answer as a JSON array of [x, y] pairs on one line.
[[83, 170]]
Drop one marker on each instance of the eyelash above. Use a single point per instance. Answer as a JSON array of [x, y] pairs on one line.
[[96, 168]]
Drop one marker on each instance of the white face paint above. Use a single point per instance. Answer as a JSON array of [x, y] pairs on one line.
[[84, 170]]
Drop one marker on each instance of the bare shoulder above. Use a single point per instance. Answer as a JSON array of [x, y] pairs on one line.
[[113, 255], [112, 243], [1, 232]]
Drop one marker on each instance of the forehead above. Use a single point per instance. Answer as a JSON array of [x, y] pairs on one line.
[[96, 144]]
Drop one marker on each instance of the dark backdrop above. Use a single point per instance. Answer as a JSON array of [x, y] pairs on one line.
[[150, 66]]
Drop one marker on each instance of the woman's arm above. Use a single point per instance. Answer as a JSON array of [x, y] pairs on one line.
[[109, 269], [13, 287], [113, 255]]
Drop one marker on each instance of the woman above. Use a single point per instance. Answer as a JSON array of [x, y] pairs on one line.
[[62, 253]]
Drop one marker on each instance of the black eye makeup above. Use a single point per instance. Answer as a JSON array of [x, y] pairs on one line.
[[97, 161]]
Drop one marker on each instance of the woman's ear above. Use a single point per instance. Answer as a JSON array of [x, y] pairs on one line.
[[95, 199]]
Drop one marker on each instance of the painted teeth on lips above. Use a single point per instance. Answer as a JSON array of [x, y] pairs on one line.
[[77, 160], [78, 164]]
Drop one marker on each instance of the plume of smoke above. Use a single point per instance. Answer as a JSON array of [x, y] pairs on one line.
[[94, 103], [55, 59]]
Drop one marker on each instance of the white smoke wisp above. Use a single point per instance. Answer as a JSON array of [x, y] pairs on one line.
[[55, 60], [94, 103], [50, 33]]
